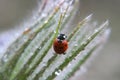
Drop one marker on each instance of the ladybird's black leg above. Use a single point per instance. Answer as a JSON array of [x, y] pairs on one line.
[[64, 53]]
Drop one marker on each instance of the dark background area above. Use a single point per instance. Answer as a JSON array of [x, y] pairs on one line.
[[106, 66]]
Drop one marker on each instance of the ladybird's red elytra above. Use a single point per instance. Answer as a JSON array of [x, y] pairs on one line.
[[60, 44]]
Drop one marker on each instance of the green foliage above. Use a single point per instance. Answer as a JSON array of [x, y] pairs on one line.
[[31, 55]]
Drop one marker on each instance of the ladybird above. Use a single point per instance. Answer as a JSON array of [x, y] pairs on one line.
[[60, 44]]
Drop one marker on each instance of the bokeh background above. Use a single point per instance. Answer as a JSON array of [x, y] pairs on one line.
[[106, 65]]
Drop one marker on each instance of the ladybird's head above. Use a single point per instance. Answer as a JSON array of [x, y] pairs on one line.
[[61, 37]]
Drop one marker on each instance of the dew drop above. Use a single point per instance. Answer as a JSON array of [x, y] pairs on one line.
[[30, 66], [15, 72], [88, 18], [44, 15], [89, 38], [76, 45], [17, 34], [46, 22], [84, 43], [71, 2], [36, 47], [31, 53], [69, 64], [57, 72], [44, 78], [54, 31], [96, 30], [44, 64], [66, 15]]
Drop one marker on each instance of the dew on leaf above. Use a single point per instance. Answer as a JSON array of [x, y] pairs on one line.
[[44, 15], [76, 45], [54, 31], [57, 72], [39, 48]]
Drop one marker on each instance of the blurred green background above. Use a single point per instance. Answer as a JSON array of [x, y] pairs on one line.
[[106, 65]]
